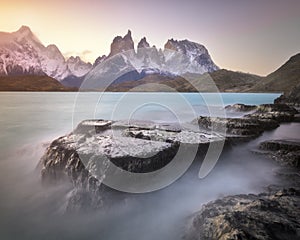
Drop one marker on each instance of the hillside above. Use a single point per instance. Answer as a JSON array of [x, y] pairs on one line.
[[226, 81], [283, 79], [31, 83]]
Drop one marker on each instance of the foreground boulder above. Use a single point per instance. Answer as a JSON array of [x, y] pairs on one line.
[[135, 147], [273, 215], [94, 145]]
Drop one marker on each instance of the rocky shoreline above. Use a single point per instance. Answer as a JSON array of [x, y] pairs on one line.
[[273, 214], [139, 147]]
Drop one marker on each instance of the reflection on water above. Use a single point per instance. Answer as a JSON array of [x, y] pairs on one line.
[[32, 211]]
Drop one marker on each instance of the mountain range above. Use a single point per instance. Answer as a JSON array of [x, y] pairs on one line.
[[22, 53], [126, 67]]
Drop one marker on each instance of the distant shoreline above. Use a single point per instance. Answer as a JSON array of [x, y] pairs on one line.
[[93, 91]]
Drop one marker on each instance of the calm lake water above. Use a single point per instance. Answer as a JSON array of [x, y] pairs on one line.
[[31, 120]]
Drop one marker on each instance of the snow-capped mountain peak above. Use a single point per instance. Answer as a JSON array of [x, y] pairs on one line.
[[21, 52], [197, 55], [126, 64]]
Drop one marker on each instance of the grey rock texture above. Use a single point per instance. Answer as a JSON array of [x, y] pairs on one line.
[[286, 152], [83, 156], [272, 215]]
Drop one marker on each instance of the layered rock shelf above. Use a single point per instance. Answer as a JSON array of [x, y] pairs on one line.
[[286, 152]]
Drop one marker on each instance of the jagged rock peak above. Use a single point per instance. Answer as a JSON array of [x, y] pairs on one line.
[[128, 35], [185, 46], [24, 29], [73, 59], [52, 47], [196, 52], [143, 43], [78, 67], [99, 60], [24, 32], [120, 44]]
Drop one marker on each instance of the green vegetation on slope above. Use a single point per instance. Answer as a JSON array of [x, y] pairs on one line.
[[224, 80], [283, 79], [31, 83]]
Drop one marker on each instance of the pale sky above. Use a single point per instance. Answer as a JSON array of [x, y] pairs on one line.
[[255, 36]]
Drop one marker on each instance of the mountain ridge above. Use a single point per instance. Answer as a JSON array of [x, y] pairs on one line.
[[277, 80], [21, 52]]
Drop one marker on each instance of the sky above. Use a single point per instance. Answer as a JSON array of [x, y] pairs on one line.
[[255, 36]]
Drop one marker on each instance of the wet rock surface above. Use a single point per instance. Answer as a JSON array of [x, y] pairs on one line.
[[286, 152], [237, 127], [272, 215], [265, 117], [276, 112]]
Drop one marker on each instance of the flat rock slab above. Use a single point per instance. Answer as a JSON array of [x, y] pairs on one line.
[[284, 144], [241, 107], [136, 146]]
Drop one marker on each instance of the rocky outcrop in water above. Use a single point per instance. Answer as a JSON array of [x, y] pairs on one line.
[[272, 215], [286, 152], [277, 112], [265, 117], [240, 107], [140, 147], [237, 127], [96, 144]]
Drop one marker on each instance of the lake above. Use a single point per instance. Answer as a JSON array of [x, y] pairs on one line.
[[29, 121]]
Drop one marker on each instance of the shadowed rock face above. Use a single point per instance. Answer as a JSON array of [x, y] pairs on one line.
[[120, 44], [291, 98], [143, 43], [273, 215]]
